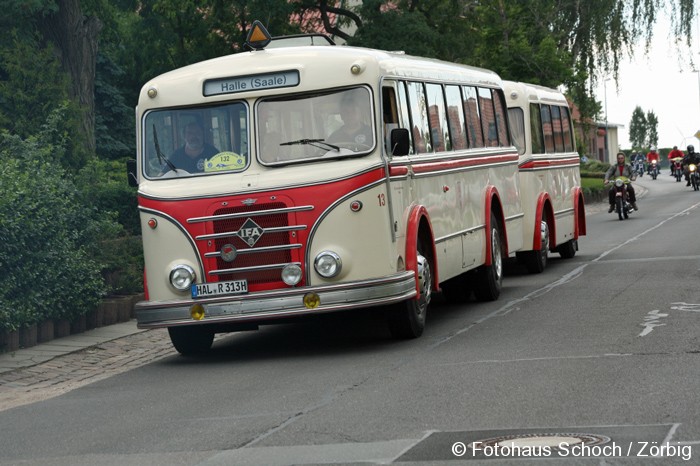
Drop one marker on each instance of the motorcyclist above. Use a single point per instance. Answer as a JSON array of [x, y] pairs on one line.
[[637, 161], [675, 153], [690, 157], [621, 169], [651, 156]]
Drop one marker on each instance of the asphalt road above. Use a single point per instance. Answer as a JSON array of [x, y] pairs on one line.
[[594, 361]]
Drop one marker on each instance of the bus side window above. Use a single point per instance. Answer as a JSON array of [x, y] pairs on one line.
[[404, 114], [501, 121], [547, 129], [566, 128], [556, 129], [455, 118], [516, 117], [488, 117], [419, 117], [437, 118], [471, 110], [390, 116], [536, 129]]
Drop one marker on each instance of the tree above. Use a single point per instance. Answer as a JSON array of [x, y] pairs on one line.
[[638, 129], [652, 129]]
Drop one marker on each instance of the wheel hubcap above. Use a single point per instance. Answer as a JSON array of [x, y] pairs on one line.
[[496, 254], [424, 279]]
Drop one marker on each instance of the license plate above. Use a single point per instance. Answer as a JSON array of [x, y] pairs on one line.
[[205, 290]]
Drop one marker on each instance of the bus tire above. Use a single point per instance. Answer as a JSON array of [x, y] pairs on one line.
[[568, 249], [536, 261], [407, 319], [191, 340], [489, 278]]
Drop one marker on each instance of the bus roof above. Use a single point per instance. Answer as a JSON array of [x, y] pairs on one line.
[[519, 91], [318, 67]]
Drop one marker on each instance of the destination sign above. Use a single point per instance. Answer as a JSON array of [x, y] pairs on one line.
[[251, 83]]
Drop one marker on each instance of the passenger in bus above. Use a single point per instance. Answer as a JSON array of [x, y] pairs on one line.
[[191, 156], [354, 130]]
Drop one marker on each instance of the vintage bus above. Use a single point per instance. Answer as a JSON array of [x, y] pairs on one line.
[[292, 181], [550, 182]]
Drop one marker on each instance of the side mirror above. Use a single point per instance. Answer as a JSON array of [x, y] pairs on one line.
[[132, 173], [400, 143]]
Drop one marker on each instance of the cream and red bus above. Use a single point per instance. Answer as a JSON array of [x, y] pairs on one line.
[[550, 182], [289, 206]]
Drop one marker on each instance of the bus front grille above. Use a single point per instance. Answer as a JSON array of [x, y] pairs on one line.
[[263, 239]]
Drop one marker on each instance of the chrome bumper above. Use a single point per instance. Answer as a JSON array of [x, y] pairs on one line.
[[267, 305]]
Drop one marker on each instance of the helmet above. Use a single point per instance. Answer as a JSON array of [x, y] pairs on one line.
[[653, 149], [691, 148]]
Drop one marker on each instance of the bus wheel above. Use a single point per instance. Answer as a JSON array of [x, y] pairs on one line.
[[489, 278], [568, 249], [536, 261], [191, 340], [407, 319]]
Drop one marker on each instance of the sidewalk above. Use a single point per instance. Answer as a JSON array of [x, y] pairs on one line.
[[27, 357]]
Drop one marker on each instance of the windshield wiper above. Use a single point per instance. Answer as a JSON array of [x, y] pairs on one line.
[[161, 158], [320, 143]]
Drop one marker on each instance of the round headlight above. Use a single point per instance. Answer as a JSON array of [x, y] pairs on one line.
[[181, 277], [291, 274], [619, 183], [328, 264]]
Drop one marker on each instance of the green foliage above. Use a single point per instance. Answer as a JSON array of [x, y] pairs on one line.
[[638, 129], [114, 120], [103, 185], [47, 238], [652, 129]]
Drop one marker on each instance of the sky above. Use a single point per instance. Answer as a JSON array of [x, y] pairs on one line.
[[663, 82]]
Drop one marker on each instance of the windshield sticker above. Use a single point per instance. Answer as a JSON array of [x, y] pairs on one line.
[[224, 161]]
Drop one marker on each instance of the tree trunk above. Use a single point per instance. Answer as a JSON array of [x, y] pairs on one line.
[[75, 37]]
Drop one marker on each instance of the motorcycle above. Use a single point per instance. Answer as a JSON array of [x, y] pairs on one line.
[[639, 167], [694, 176], [623, 207], [654, 169], [676, 168]]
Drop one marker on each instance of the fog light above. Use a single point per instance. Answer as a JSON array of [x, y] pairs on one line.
[[181, 277], [312, 300], [291, 274], [197, 312], [328, 264]]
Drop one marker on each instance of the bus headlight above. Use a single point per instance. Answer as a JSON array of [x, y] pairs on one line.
[[291, 274], [328, 264], [181, 277]]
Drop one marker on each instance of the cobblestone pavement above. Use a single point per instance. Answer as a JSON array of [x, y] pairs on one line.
[[70, 371]]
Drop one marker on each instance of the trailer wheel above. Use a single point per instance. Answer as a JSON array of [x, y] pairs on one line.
[[536, 261]]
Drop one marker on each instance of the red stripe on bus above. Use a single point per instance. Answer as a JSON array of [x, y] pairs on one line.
[[530, 164], [428, 167]]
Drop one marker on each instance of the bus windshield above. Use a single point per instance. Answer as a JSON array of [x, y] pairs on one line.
[[196, 141], [302, 128]]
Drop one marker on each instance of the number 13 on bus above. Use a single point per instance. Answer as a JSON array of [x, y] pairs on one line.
[[296, 180]]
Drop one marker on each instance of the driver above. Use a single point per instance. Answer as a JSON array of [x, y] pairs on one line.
[[191, 156], [690, 157], [354, 130], [621, 169]]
